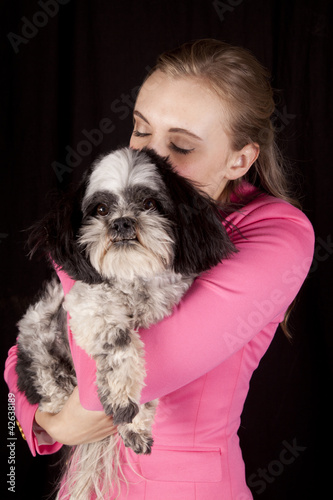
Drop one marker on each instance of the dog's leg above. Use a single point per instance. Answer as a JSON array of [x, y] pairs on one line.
[[101, 322], [44, 367], [138, 434], [120, 375]]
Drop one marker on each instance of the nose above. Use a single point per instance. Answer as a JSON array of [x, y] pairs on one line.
[[123, 228]]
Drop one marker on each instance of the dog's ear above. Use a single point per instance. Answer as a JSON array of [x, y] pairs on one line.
[[201, 238], [56, 235]]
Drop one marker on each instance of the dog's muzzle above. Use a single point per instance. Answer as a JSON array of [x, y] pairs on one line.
[[123, 229]]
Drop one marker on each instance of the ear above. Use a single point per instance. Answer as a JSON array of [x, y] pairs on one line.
[[56, 237], [241, 161], [201, 239]]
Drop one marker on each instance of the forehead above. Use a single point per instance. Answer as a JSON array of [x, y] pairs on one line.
[[121, 170], [184, 102]]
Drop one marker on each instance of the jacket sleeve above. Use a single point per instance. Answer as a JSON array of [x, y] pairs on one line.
[[226, 307], [38, 440]]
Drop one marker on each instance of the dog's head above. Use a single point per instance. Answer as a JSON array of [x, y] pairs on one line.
[[134, 216]]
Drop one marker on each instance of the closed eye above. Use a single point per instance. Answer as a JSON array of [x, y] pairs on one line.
[[139, 134], [181, 151], [172, 145]]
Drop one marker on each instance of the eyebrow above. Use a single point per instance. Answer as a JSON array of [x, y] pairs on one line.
[[174, 129]]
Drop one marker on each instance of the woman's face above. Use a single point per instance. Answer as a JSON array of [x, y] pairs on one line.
[[183, 119]]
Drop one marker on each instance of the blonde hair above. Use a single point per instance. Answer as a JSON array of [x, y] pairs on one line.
[[243, 85]]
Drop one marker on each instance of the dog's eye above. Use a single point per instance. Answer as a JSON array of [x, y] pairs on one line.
[[149, 204], [102, 209]]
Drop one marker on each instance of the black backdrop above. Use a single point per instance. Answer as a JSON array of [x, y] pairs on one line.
[[70, 72]]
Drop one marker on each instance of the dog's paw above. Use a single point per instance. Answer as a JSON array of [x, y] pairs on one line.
[[139, 443], [125, 414]]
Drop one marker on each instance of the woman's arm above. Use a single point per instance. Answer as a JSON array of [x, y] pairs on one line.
[[46, 432], [74, 424]]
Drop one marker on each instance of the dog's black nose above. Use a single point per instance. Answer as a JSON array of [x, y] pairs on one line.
[[123, 228]]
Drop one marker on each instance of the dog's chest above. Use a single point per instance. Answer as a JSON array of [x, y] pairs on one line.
[[95, 309], [110, 302]]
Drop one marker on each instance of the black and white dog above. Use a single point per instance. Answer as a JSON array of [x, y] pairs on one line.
[[133, 237]]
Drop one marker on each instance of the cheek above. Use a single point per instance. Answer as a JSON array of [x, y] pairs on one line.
[[189, 168]]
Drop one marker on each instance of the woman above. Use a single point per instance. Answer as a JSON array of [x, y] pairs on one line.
[[207, 106]]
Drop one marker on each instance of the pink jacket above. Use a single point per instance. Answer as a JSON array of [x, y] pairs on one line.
[[200, 360]]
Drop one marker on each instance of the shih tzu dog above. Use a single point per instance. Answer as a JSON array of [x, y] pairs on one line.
[[133, 236]]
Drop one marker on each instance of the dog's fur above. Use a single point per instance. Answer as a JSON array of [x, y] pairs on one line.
[[133, 236]]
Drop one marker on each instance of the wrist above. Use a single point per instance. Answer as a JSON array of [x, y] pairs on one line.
[[46, 421]]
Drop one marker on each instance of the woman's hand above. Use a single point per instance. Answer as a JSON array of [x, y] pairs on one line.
[[74, 424]]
